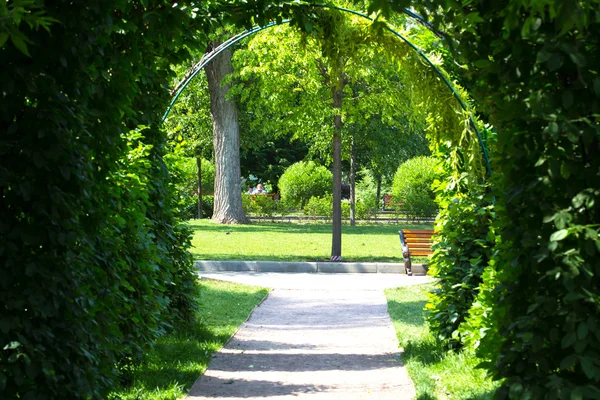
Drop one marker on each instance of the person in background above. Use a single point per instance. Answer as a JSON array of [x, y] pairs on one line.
[[250, 190], [259, 189]]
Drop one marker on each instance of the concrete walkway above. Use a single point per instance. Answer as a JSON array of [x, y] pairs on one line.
[[318, 335]]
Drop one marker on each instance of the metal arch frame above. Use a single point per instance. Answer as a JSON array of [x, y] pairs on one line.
[[208, 57]]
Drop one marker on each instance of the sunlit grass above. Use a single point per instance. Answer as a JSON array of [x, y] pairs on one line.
[[436, 373], [268, 241], [179, 358]]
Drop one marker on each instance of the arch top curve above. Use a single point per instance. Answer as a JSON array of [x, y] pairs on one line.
[[208, 57]]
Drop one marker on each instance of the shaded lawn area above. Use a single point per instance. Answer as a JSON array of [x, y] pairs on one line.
[[436, 373], [268, 241], [179, 358]]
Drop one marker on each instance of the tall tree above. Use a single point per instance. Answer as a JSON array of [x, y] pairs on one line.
[[305, 97], [226, 140]]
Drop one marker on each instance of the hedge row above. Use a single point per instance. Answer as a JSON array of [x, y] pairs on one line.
[[93, 259]]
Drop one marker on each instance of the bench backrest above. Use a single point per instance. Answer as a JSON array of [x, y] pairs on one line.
[[389, 201], [273, 196], [418, 241]]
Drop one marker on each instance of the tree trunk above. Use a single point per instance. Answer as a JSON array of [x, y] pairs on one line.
[[199, 164], [336, 238], [378, 190], [352, 178], [226, 139]]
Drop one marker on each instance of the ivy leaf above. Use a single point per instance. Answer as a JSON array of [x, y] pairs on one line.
[[582, 330], [578, 59], [482, 64], [568, 341], [555, 62], [20, 44], [588, 367], [559, 235], [568, 361], [12, 346], [567, 99], [3, 38], [597, 86]]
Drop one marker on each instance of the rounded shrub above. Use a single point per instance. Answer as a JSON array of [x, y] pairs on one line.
[[304, 180], [412, 186], [320, 207]]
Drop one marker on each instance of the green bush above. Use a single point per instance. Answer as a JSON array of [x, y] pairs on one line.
[[248, 204], [304, 180], [189, 208], [412, 186], [284, 208], [184, 176], [463, 246], [320, 207], [93, 257], [364, 210], [260, 205], [366, 196], [345, 208], [478, 324], [265, 205]]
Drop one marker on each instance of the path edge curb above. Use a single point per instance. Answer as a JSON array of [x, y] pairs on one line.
[[306, 267]]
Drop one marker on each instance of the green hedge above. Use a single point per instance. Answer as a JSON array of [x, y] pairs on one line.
[[463, 246], [532, 67], [93, 258]]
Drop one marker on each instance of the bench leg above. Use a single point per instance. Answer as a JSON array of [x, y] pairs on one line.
[[408, 266]]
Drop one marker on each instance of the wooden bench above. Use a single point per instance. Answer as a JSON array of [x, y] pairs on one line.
[[273, 196], [389, 203], [414, 242]]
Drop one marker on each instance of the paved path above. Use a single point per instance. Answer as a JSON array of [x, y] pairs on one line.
[[316, 335]]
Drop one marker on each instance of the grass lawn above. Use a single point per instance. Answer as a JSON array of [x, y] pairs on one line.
[[179, 358], [436, 373], [268, 241]]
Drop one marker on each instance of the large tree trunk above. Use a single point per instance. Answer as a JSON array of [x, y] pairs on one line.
[[352, 178], [336, 238], [199, 164], [226, 138]]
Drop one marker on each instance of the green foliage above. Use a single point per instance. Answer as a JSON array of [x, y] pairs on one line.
[[265, 205], [320, 207], [93, 258], [345, 208], [304, 180], [478, 325], [261, 205], [208, 206], [26, 12], [366, 195], [285, 94], [190, 208], [412, 186], [462, 250], [248, 204], [538, 83], [184, 177]]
